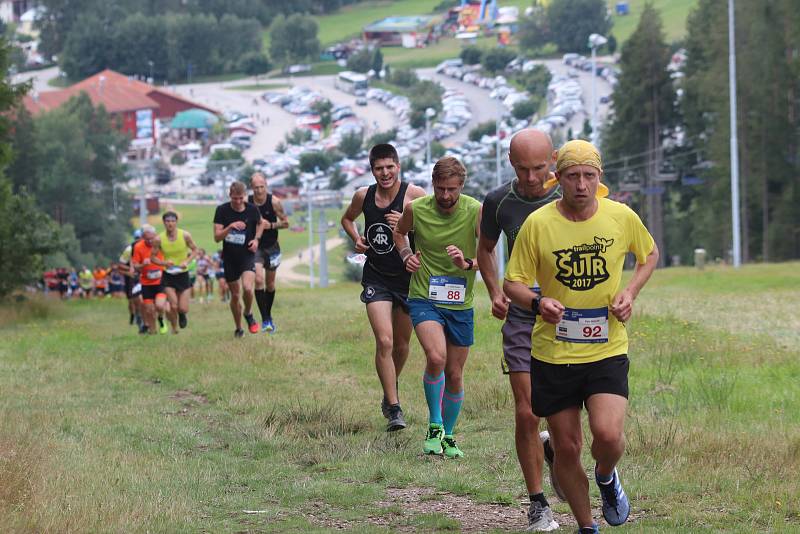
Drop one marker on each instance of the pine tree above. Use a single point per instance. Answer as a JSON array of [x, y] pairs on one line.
[[643, 110]]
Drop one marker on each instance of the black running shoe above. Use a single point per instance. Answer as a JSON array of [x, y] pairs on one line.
[[182, 320], [396, 420], [385, 408], [238, 333]]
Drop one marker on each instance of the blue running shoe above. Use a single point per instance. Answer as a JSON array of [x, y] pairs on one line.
[[616, 506], [594, 529], [268, 326]]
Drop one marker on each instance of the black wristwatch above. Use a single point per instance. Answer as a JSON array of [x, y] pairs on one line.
[[535, 304], [470, 263]]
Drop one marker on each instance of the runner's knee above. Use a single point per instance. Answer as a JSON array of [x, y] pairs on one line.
[[607, 438], [384, 344], [568, 449]]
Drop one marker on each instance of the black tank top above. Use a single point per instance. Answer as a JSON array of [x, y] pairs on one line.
[[269, 237], [382, 255]]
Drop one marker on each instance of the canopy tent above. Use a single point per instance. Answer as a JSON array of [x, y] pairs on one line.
[[193, 119]]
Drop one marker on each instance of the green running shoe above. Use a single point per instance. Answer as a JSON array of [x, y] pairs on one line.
[[162, 326], [451, 450], [433, 441]]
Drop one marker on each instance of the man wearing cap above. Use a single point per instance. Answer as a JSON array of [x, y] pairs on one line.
[[575, 248]]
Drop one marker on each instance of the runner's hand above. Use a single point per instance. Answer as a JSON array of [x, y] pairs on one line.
[[238, 225], [457, 256], [146, 261], [551, 310], [392, 217], [500, 305], [413, 263], [253, 245], [361, 245], [622, 306]]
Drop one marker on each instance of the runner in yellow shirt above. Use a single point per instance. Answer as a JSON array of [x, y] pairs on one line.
[[575, 248]]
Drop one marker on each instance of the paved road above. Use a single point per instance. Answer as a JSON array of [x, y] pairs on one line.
[[483, 108], [39, 78], [274, 123]]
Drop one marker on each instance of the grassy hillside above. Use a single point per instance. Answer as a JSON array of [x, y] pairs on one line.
[[103, 430], [673, 15]]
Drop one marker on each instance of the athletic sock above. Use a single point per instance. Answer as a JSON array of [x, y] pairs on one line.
[[261, 300], [604, 480], [451, 407], [270, 300], [539, 497], [434, 387]]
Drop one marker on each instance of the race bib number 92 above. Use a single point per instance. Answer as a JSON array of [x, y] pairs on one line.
[[583, 326]]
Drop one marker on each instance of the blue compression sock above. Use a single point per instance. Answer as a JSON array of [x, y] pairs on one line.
[[434, 387], [451, 407]]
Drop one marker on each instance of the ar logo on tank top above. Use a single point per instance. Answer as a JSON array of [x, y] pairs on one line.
[[583, 267], [379, 237]]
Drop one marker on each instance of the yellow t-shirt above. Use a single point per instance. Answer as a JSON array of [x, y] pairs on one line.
[[580, 265]]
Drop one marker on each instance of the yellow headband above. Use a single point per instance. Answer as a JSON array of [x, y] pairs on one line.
[[578, 152]]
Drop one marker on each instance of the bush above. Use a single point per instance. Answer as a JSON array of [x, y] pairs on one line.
[[536, 80], [484, 128], [471, 55], [496, 59], [361, 61], [525, 109], [351, 144], [226, 155], [310, 161], [177, 159], [403, 77], [380, 138], [298, 136]]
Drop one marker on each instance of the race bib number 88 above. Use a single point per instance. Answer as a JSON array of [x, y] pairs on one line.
[[583, 326], [447, 289]]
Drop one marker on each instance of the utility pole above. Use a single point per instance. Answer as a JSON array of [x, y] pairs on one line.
[[735, 224]]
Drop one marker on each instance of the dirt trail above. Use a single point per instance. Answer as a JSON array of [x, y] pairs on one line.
[[286, 271]]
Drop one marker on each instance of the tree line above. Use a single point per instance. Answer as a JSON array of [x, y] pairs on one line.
[[679, 125]]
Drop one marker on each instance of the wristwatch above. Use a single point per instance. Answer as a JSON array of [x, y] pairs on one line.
[[535, 304], [470, 263]]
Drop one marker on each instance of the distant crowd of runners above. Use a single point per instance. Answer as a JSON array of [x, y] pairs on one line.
[[562, 301]]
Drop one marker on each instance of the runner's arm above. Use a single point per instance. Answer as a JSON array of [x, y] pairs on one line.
[[220, 232], [187, 237], [400, 236], [622, 305], [349, 217], [283, 220], [487, 258]]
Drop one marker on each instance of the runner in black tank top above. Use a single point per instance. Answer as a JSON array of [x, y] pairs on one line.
[[268, 254], [383, 261], [384, 280]]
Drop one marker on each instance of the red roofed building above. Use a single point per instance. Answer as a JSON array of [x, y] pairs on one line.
[[137, 104]]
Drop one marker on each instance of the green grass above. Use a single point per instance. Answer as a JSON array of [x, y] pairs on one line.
[[673, 16], [102, 430]]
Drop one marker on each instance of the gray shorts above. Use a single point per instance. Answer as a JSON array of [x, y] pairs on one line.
[[270, 258], [516, 347]]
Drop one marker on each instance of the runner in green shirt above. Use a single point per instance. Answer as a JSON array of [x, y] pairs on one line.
[[445, 227]]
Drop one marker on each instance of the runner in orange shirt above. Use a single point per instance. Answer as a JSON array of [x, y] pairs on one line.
[[153, 296], [100, 281]]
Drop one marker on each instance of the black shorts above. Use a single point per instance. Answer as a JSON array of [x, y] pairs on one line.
[[235, 266], [151, 292], [379, 288], [130, 283], [556, 387], [179, 282], [219, 275], [270, 257]]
